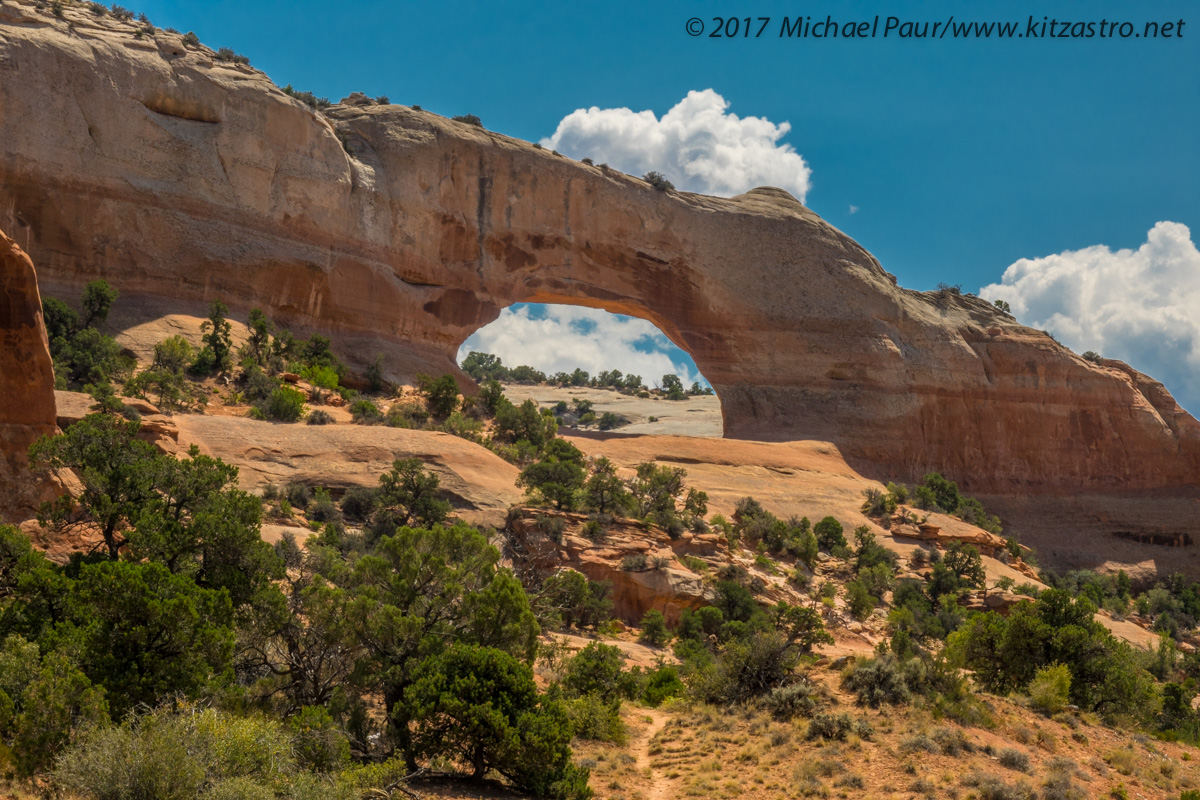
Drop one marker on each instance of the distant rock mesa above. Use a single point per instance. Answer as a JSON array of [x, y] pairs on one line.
[[171, 174]]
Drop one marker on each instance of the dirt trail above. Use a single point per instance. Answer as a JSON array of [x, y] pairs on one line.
[[640, 749]]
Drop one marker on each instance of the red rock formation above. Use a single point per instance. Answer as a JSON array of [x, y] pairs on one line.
[[148, 162], [27, 408], [670, 588]]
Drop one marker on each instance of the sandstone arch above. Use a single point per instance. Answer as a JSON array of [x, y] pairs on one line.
[[384, 224]]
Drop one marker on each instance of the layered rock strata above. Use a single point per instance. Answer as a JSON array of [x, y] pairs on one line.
[[146, 161]]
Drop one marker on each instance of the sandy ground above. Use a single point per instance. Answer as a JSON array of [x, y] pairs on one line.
[[695, 416]]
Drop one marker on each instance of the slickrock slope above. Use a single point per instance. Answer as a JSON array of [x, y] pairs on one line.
[[27, 408], [171, 174], [480, 484]]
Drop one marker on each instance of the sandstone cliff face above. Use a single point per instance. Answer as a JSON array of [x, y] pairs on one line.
[[174, 175], [27, 408]]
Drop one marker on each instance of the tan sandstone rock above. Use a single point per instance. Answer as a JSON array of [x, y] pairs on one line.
[[171, 174], [479, 483]]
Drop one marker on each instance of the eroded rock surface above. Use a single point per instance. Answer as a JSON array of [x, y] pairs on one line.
[[479, 483], [171, 174], [27, 408]]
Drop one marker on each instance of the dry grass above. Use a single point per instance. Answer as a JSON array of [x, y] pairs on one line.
[[744, 753]]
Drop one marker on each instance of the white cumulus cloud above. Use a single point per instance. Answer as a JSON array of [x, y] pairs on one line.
[[1141, 306], [698, 145], [558, 338]]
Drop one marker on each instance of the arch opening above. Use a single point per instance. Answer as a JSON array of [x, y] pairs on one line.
[[623, 365]]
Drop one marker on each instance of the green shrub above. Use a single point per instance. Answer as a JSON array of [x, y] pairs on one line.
[[568, 599], [318, 743], [557, 477], [365, 412], [858, 600], [952, 741], [320, 376], [596, 719], [469, 119], [480, 706], [285, 404], [654, 628], [1050, 688], [164, 754], [441, 394], [829, 534], [608, 420], [661, 683]]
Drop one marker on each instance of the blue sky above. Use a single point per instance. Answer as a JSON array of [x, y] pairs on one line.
[[961, 156]]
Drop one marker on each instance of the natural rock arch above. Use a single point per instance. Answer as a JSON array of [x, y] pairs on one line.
[[177, 176]]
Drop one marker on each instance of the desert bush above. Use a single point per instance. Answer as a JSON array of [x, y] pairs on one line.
[[322, 509], [593, 530], [298, 494], [837, 727], [1011, 758], [319, 417], [191, 39], [658, 181], [469, 119], [227, 54], [635, 562], [952, 741], [308, 98], [317, 741], [877, 681], [552, 528], [801, 699], [877, 503], [1122, 759], [991, 787], [358, 503], [608, 420], [1059, 783], [441, 394], [919, 743]]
